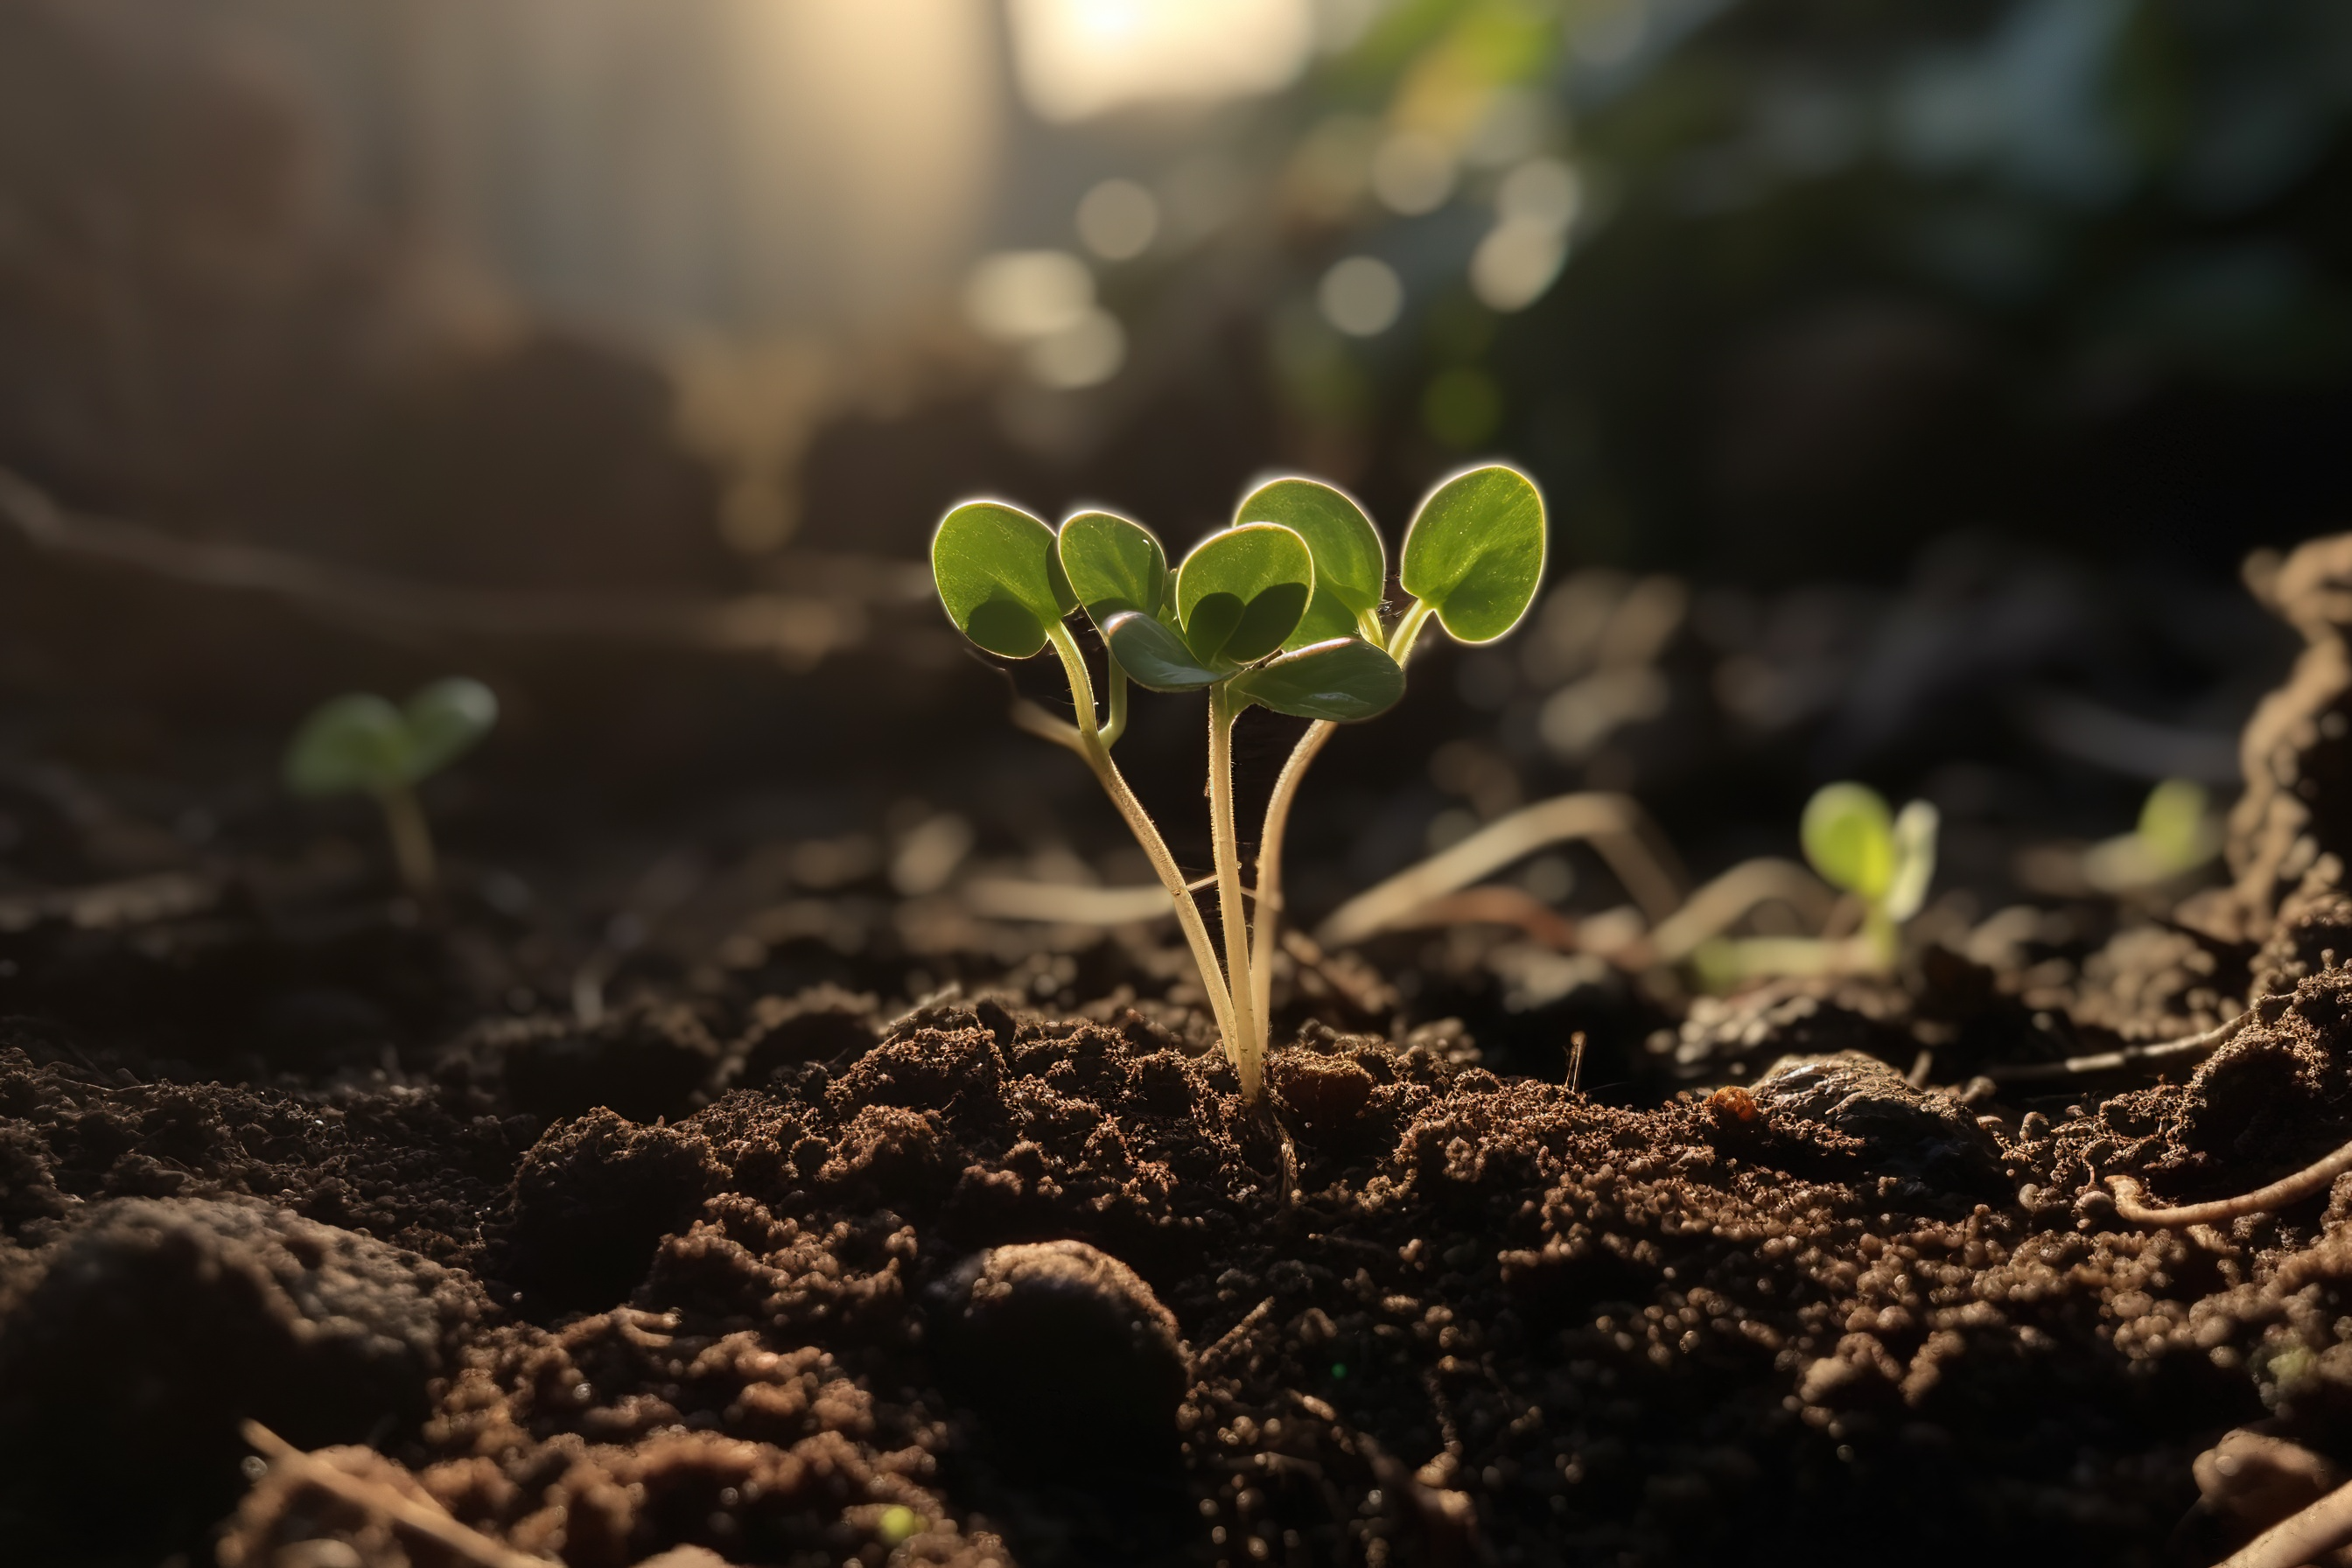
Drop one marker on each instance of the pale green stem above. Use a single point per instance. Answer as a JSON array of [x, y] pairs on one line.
[[1117, 726], [1228, 850], [1408, 629], [1277, 818], [1269, 865], [411, 840], [1091, 747], [1883, 937]]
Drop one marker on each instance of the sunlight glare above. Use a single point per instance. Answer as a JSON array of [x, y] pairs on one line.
[[1077, 59]]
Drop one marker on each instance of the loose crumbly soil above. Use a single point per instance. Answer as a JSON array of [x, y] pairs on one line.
[[1490, 1320], [778, 1277]]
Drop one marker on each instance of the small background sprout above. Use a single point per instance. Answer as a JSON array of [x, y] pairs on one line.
[[1882, 859], [2177, 834], [361, 744], [1885, 861]]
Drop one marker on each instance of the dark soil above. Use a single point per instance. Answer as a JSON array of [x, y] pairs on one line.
[[1014, 1277]]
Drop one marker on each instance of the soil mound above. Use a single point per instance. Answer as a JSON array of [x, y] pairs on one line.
[[1468, 1316]]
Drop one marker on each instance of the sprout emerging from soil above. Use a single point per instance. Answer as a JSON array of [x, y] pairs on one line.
[[361, 745], [1885, 860], [2177, 834], [1283, 610]]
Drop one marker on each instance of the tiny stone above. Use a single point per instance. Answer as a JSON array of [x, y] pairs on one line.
[[1064, 1346]]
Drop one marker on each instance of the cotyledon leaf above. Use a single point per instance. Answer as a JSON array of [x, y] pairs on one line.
[[1000, 576], [1241, 593], [1153, 656], [1849, 835], [1113, 564], [1342, 680], [350, 746], [445, 720], [1475, 553], [1351, 565]]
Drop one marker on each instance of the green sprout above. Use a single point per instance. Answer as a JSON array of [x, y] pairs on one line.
[[2177, 834], [1281, 610], [361, 744], [1883, 859]]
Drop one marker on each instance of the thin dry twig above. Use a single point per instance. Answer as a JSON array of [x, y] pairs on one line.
[[1714, 907], [2186, 1047], [2312, 1178], [1501, 906], [1616, 825], [1072, 903], [2299, 1538], [403, 1511], [1065, 903]]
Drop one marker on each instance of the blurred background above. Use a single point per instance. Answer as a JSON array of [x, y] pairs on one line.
[[1908, 385]]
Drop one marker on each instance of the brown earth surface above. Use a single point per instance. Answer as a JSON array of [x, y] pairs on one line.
[[791, 1281]]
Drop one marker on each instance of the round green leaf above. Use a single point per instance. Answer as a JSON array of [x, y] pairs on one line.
[[1113, 564], [1000, 576], [1240, 592], [446, 720], [1849, 835], [1475, 553], [1343, 680], [1153, 656], [1351, 565], [353, 744]]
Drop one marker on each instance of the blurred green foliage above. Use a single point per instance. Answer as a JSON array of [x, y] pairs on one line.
[[1713, 268]]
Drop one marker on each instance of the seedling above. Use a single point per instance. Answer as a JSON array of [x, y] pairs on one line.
[[1283, 610], [2176, 834], [361, 744], [1883, 859]]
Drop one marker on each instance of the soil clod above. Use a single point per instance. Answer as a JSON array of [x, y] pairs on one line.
[[1063, 1348]]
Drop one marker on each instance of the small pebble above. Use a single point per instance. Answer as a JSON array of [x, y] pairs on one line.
[[1061, 1346]]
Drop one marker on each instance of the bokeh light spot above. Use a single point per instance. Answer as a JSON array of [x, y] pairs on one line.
[[1087, 353], [1015, 296], [1363, 296], [1516, 263], [1119, 219], [1544, 192], [1412, 173]]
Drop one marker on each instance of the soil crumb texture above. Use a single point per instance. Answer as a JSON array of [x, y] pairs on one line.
[[794, 1276]]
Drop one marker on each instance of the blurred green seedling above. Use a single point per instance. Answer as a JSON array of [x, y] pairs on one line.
[[2176, 833], [361, 744], [1283, 609], [1884, 859]]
